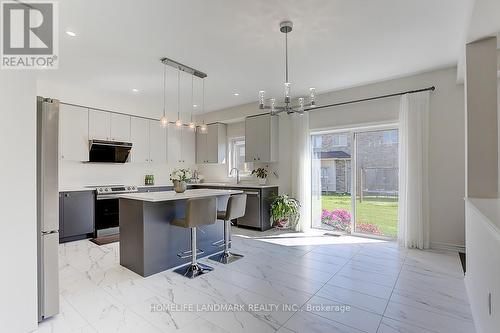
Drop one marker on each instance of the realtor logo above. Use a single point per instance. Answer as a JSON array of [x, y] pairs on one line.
[[29, 35]]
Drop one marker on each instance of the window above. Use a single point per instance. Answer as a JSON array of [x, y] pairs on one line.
[[340, 140], [237, 156], [390, 137]]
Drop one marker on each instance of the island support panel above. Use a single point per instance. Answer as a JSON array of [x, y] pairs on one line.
[[149, 243]]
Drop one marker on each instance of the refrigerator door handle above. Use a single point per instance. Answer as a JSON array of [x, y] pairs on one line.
[[50, 274]]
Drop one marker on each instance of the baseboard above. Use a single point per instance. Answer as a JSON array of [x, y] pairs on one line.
[[447, 247]]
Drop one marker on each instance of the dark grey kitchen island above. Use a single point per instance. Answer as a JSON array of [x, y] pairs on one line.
[[149, 243]]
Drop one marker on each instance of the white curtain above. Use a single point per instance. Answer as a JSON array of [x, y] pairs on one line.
[[413, 229], [301, 167]]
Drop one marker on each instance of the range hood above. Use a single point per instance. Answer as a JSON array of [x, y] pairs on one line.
[[109, 151]]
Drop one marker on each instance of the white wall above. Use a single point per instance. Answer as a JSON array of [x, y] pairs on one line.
[[482, 129], [447, 138], [18, 289]]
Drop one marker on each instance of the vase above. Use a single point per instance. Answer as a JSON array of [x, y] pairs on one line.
[[262, 181], [180, 186]]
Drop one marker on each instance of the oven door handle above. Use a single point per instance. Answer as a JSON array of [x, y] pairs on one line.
[[106, 197]]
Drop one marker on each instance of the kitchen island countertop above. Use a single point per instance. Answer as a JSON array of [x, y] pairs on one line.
[[172, 195]]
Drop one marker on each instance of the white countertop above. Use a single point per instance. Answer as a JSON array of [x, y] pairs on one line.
[[77, 189], [489, 208], [172, 195], [234, 185]]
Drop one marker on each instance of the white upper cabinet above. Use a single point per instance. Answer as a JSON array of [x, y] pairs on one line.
[[73, 133], [201, 147], [139, 136], [261, 138], [211, 146], [188, 145], [181, 145], [120, 127], [99, 125], [157, 142], [174, 142]]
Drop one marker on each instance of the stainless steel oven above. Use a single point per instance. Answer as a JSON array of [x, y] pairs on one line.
[[107, 209]]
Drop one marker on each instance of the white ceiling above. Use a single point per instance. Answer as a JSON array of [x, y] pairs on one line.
[[335, 44]]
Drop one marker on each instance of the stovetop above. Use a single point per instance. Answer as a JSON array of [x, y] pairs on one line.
[[112, 189]]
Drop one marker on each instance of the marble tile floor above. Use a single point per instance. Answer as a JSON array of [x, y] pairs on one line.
[[287, 282]]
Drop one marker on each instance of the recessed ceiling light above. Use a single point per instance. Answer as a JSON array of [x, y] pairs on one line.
[[135, 90], [236, 94], [195, 106], [71, 33]]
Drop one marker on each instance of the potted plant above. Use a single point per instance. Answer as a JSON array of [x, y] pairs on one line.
[[180, 177], [285, 212], [261, 174]]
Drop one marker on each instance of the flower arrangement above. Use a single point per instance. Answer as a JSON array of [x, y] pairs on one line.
[[182, 175], [340, 219], [285, 211]]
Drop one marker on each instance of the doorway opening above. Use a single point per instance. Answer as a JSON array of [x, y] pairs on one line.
[[355, 181]]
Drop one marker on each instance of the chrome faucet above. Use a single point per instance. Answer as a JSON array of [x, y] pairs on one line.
[[237, 174]]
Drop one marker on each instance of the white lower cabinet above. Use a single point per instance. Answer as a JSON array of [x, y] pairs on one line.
[[73, 133]]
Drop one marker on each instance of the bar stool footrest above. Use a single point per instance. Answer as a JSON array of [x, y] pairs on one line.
[[226, 257], [191, 271], [189, 254]]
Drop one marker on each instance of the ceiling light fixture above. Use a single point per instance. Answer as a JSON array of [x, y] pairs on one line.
[[178, 122], [164, 119], [203, 127], [135, 90], [286, 27], [191, 123], [70, 33], [194, 72]]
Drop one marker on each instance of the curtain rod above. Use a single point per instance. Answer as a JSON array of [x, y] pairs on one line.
[[372, 98]]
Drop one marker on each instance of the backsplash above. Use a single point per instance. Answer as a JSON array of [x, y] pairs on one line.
[[83, 174]]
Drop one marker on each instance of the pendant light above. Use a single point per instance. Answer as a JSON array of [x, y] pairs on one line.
[[178, 122], [191, 124], [203, 127], [164, 119], [286, 27]]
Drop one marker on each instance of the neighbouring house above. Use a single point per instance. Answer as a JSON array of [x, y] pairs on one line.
[[377, 169]]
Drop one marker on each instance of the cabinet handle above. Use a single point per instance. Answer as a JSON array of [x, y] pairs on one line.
[[66, 195]]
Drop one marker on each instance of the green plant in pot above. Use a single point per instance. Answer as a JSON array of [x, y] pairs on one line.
[[285, 212], [261, 174]]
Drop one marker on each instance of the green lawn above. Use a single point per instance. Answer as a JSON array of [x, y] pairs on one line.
[[383, 212]]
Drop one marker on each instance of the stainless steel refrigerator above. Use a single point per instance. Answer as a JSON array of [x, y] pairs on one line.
[[48, 206]]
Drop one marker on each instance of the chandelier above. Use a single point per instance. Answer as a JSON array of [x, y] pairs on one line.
[[286, 27]]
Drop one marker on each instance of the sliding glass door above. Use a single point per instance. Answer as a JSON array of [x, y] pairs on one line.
[[331, 181], [355, 181]]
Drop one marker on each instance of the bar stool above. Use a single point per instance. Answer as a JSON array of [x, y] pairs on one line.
[[199, 211], [236, 206]]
